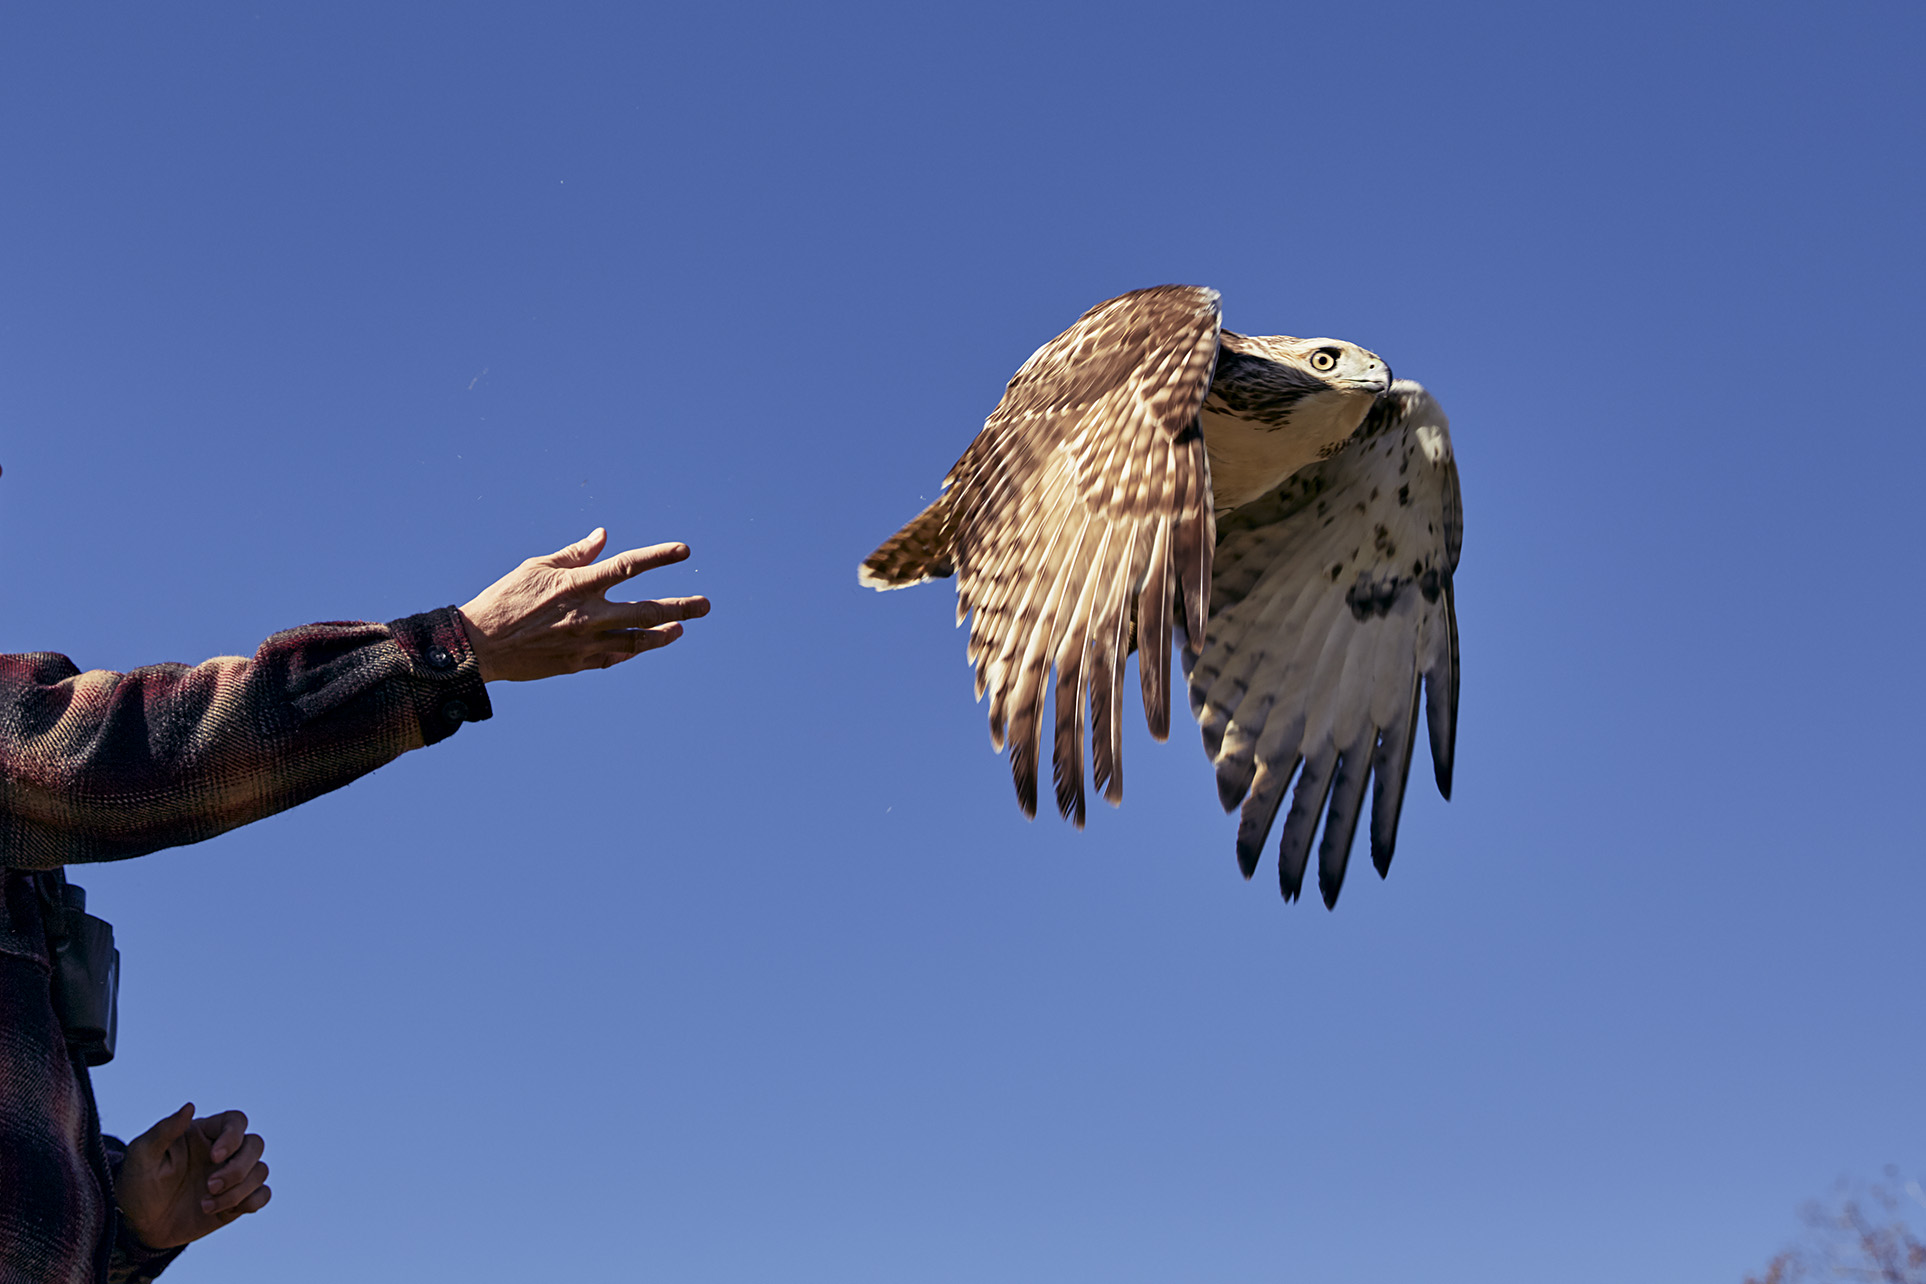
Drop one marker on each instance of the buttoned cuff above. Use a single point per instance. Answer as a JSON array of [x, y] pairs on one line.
[[447, 683]]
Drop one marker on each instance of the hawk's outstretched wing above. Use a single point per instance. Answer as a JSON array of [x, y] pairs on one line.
[[1082, 508], [1332, 599]]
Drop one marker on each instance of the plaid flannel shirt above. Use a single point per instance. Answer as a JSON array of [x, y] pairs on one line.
[[103, 766]]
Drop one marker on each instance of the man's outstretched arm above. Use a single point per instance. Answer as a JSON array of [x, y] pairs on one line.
[[103, 766]]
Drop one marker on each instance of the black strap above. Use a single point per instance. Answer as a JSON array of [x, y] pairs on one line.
[[52, 886]]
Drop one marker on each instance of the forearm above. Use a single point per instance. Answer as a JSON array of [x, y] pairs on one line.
[[103, 766], [132, 1262]]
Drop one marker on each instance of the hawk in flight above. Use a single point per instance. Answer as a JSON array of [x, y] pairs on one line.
[[1282, 503]]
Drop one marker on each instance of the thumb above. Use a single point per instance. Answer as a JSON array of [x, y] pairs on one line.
[[582, 551]]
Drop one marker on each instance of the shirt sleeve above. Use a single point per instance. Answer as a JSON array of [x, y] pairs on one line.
[[103, 766]]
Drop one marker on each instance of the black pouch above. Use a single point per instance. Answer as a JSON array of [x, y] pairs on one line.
[[86, 975]]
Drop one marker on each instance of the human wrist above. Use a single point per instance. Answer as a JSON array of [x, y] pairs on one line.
[[480, 645], [138, 1240]]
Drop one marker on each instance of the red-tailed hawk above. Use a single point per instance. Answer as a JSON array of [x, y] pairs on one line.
[[1281, 502]]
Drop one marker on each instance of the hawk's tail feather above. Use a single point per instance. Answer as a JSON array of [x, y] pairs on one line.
[[925, 549]]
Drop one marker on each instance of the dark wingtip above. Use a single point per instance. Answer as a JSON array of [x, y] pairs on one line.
[[1247, 858], [1328, 888], [1441, 704], [1441, 719], [1065, 789], [1070, 800], [1159, 722], [1291, 887], [1231, 787], [1381, 857], [1026, 791]]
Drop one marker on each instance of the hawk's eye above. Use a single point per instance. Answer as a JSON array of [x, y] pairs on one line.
[[1324, 359]]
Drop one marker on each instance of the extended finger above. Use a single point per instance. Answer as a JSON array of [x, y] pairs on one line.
[[250, 1181], [626, 644], [613, 570], [229, 1174], [654, 611], [225, 1130]]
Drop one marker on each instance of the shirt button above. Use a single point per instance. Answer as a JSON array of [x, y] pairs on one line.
[[439, 658], [455, 710]]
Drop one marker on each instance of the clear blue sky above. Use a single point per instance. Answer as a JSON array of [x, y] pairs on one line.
[[739, 964]]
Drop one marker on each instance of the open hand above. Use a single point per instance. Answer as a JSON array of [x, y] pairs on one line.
[[186, 1177], [548, 616]]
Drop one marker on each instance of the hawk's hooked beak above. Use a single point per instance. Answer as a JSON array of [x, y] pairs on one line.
[[1378, 380]]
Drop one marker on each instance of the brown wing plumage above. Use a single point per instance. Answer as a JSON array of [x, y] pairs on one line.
[[1076, 519]]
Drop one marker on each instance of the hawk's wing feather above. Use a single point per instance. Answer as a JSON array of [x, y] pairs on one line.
[[1331, 603], [1084, 504]]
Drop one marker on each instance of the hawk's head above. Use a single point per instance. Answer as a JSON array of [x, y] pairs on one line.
[[1278, 380], [1279, 403], [1309, 366]]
